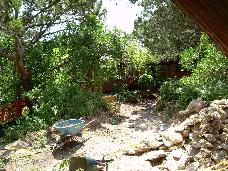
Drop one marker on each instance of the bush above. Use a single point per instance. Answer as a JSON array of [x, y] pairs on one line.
[[208, 81], [19, 128], [146, 82], [168, 90], [125, 95], [65, 100], [175, 91]]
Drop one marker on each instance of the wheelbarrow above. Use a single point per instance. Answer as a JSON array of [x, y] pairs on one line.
[[70, 129]]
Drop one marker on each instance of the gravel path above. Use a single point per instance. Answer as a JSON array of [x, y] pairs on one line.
[[104, 139]]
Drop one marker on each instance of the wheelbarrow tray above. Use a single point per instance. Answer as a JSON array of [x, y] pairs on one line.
[[70, 127]]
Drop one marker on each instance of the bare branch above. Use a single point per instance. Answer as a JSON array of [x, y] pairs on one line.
[[39, 35], [44, 24], [51, 33], [44, 9]]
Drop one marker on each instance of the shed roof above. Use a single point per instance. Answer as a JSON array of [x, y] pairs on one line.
[[211, 15]]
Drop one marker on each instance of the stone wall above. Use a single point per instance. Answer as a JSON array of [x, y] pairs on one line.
[[198, 142]]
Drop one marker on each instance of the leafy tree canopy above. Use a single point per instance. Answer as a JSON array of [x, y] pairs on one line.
[[24, 23], [164, 29]]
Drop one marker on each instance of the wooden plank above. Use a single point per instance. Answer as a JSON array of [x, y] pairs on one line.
[[211, 15]]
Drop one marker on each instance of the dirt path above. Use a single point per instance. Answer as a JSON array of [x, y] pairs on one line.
[[108, 137]]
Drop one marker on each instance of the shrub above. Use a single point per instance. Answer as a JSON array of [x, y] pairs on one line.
[[208, 81], [68, 102], [146, 82], [168, 90], [19, 128]]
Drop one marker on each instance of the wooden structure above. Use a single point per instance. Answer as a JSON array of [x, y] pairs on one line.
[[171, 69], [211, 15], [13, 110]]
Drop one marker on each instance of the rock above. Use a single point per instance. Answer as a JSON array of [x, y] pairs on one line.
[[154, 155], [192, 151], [185, 133], [217, 115], [205, 129], [225, 146], [205, 144], [130, 151], [170, 138], [226, 121], [176, 154], [163, 147], [225, 130], [180, 128], [129, 163], [154, 144], [196, 128], [188, 122], [143, 146], [223, 137], [194, 137], [156, 168], [219, 102], [202, 143], [177, 160], [196, 105], [140, 148], [223, 114], [211, 138], [193, 166], [198, 142], [217, 146], [219, 155], [203, 154]]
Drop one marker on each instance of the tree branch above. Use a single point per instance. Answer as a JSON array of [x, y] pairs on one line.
[[51, 33], [44, 9]]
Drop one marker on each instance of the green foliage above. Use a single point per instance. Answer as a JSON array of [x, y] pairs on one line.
[[168, 90], [3, 162], [23, 126], [208, 80], [8, 77], [39, 139], [65, 70], [62, 99], [164, 29], [175, 91], [146, 81], [63, 165], [131, 62], [125, 95]]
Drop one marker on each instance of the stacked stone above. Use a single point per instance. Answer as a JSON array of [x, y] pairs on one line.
[[198, 142]]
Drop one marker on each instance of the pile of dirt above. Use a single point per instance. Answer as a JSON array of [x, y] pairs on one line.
[[197, 143]]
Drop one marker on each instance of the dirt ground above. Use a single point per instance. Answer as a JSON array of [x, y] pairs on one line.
[[107, 138]]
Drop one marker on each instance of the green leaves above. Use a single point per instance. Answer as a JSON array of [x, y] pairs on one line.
[[164, 29], [208, 80], [15, 25]]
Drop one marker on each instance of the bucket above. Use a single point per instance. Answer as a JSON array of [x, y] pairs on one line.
[[85, 163]]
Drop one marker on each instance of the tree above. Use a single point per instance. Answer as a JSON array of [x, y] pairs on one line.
[[164, 29], [27, 22]]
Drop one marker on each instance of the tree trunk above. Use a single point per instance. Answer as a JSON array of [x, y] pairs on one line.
[[24, 74]]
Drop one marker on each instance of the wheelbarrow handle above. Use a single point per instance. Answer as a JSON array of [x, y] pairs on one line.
[[88, 124]]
